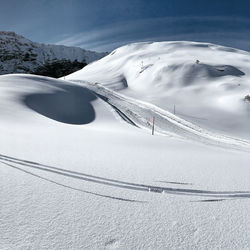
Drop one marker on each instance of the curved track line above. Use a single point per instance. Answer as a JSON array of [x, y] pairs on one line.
[[118, 183], [140, 114]]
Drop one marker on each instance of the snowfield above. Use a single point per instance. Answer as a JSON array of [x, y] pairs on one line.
[[81, 170], [209, 93]]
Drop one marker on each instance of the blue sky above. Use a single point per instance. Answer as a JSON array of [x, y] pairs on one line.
[[103, 25]]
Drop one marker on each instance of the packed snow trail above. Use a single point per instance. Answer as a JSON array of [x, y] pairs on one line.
[[140, 114]]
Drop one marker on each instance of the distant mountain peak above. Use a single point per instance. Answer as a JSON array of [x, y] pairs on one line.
[[20, 55]]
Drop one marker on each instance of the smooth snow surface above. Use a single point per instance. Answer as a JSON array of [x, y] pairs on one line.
[[79, 168], [209, 93]]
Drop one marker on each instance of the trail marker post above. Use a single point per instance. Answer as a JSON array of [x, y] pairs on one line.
[[153, 127]]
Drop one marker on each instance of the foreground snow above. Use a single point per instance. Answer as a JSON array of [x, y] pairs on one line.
[[74, 175]]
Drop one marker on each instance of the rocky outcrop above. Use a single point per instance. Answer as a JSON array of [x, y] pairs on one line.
[[20, 55]]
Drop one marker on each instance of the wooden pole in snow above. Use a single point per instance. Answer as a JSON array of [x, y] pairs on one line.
[[153, 127]]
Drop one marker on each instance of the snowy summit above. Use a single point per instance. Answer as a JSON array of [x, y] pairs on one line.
[[205, 83]]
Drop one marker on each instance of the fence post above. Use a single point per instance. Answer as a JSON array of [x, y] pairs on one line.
[[153, 127]]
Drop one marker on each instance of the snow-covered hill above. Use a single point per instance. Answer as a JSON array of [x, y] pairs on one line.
[[210, 92], [79, 168], [75, 175], [20, 55]]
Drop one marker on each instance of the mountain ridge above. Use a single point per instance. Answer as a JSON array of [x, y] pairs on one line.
[[20, 55]]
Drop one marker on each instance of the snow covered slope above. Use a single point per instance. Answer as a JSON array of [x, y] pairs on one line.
[[210, 92], [74, 175], [20, 55], [140, 114]]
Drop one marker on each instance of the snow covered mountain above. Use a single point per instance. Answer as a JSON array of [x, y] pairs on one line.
[[79, 168], [204, 83], [20, 55]]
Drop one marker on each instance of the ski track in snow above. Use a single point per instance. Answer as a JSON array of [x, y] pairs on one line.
[[140, 114], [73, 183], [216, 195]]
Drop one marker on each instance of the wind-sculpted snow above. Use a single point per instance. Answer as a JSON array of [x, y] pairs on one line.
[[54, 99], [196, 79], [79, 168], [187, 74]]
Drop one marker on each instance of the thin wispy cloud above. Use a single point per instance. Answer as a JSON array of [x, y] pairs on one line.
[[103, 25], [227, 30]]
